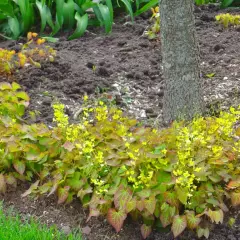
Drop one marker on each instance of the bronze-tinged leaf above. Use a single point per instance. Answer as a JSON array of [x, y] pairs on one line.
[[5, 86], [68, 146], [116, 218], [121, 197], [203, 232], [146, 231], [140, 205], [233, 184], [179, 225], [171, 198], [235, 198], [93, 213], [31, 189], [19, 167], [63, 194], [150, 204], [192, 220], [3, 185], [215, 216]]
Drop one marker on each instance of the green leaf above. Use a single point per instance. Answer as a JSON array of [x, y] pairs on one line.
[[179, 225], [215, 216], [19, 166], [68, 14], [128, 6], [146, 231], [3, 186], [167, 213], [93, 213], [82, 23], [15, 86], [163, 177], [106, 16], [226, 3], [203, 232], [131, 205], [43, 14], [23, 96], [63, 194], [116, 219], [192, 220], [5, 86], [146, 7], [182, 194], [10, 180]]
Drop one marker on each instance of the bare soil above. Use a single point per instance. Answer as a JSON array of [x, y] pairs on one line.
[[128, 66]]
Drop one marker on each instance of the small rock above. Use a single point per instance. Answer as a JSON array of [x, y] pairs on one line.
[[217, 47], [47, 101], [207, 18], [149, 110], [66, 229], [86, 230]]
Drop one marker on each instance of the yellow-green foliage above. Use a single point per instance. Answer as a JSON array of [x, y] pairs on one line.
[[182, 175], [154, 30], [228, 19], [32, 52]]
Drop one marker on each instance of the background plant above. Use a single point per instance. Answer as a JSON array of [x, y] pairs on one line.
[[18, 17], [33, 52], [228, 19]]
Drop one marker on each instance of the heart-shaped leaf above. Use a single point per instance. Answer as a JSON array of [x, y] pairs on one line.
[[116, 218], [131, 205], [121, 197], [179, 225], [216, 216], [192, 220], [145, 231], [150, 204], [235, 198], [93, 213], [63, 194]]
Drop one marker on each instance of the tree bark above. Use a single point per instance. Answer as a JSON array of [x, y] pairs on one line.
[[183, 89]]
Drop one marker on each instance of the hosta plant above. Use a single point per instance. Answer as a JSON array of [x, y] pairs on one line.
[[182, 176], [228, 19]]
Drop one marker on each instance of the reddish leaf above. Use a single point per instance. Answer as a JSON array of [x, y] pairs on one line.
[[31, 189], [3, 186], [150, 204], [216, 216], [68, 146], [63, 194], [171, 198], [19, 166], [235, 198], [93, 213], [234, 184], [179, 225], [121, 197], [145, 231], [192, 220], [116, 219]]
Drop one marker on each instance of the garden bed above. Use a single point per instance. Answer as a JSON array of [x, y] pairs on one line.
[[126, 65]]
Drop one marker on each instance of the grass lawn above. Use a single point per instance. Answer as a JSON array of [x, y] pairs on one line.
[[13, 228]]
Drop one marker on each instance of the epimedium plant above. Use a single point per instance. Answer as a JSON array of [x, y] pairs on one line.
[[228, 19], [181, 176], [33, 52]]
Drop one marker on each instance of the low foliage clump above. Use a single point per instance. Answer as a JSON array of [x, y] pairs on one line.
[[227, 19], [32, 53], [181, 176], [154, 30]]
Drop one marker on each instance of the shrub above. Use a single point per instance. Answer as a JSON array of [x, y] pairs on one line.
[[181, 176]]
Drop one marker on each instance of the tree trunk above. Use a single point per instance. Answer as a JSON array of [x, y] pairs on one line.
[[183, 89]]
